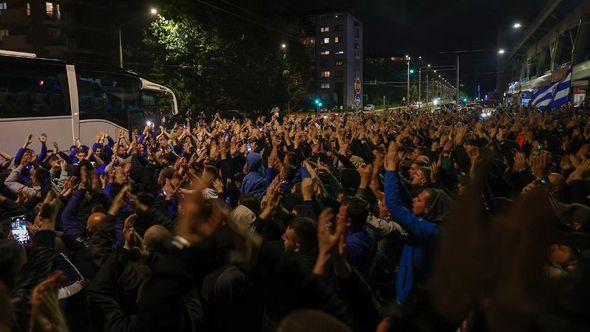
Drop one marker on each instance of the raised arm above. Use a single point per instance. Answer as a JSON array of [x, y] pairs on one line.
[[414, 225]]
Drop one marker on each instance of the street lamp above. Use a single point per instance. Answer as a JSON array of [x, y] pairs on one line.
[[501, 51], [283, 46], [153, 12], [516, 26]]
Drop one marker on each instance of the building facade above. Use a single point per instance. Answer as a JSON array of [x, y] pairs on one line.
[[63, 29], [334, 44], [556, 40]]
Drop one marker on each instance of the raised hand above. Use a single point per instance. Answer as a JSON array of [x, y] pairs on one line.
[[391, 161], [129, 232], [539, 165], [520, 162], [434, 168], [200, 218], [581, 172], [366, 172], [28, 141], [327, 239], [46, 314], [307, 189], [43, 138], [218, 185], [330, 244], [119, 201]]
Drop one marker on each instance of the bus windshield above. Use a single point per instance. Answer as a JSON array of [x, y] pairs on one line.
[[107, 96], [158, 106]]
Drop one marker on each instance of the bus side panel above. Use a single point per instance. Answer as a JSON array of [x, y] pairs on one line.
[[92, 127], [74, 103], [13, 132]]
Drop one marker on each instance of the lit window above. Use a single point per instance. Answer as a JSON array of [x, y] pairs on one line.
[[307, 41], [325, 29], [53, 10], [28, 9], [3, 6], [339, 52], [339, 63], [49, 9], [325, 85], [326, 74], [325, 53], [336, 40], [327, 40]]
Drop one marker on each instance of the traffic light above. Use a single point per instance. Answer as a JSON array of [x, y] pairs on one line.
[[320, 104], [317, 102], [411, 71], [464, 100]]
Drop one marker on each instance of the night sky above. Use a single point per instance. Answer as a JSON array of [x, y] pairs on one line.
[[428, 27]]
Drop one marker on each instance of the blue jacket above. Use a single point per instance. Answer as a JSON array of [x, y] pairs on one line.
[[254, 182], [415, 261]]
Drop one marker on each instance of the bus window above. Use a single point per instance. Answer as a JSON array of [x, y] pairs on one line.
[[156, 105], [33, 90], [107, 96]]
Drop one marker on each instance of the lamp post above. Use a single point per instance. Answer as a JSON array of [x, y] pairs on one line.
[[420, 84], [427, 90], [408, 80], [153, 12]]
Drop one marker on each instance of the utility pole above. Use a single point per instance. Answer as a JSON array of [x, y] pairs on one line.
[[408, 83], [458, 84], [120, 48], [420, 84], [427, 92]]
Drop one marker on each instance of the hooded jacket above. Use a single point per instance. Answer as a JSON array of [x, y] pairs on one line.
[[254, 182], [417, 253]]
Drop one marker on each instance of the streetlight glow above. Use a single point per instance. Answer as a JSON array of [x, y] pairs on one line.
[[154, 11], [428, 65], [283, 46], [516, 25], [501, 51]]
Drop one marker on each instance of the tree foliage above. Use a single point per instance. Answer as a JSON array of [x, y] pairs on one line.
[[214, 63]]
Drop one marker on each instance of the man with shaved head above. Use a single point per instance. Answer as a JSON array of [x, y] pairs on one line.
[[154, 237]]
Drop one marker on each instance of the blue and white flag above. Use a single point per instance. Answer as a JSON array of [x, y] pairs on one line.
[[544, 96], [562, 93]]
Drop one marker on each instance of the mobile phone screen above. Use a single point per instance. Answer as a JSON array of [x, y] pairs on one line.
[[19, 230]]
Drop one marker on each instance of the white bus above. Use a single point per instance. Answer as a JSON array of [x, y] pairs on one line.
[[68, 101]]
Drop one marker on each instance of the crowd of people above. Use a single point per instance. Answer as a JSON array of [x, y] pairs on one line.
[[401, 220]]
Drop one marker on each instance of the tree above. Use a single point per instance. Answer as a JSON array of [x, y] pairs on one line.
[[215, 62]]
